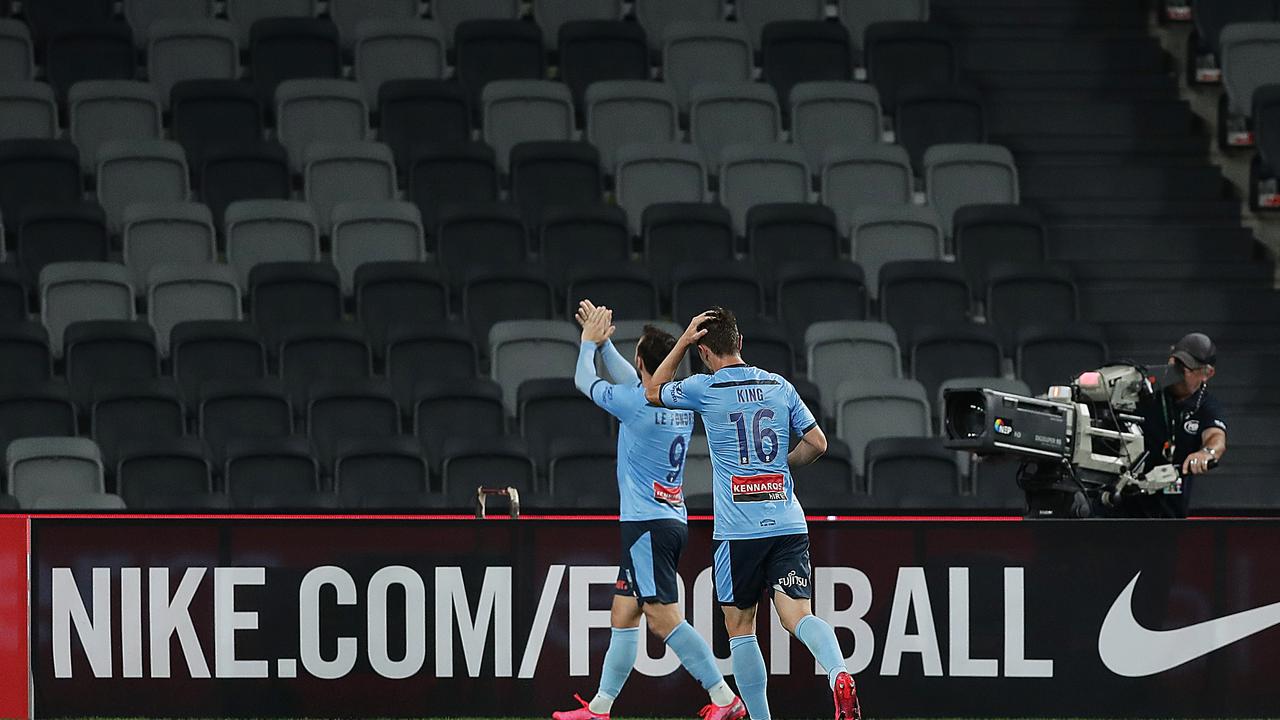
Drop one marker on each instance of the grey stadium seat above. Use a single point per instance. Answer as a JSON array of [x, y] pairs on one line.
[[939, 353], [724, 114], [657, 16], [855, 176], [756, 14], [244, 13], [104, 110], [755, 174], [1250, 54], [840, 350], [959, 175], [41, 466], [140, 171], [371, 232], [181, 50], [623, 112], [397, 49], [17, 51], [27, 110], [180, 293], [1048, 355], [348, 15], [450, 13], [858, 15], [270, 472], [551, 14], [155, 233], [80, 502], [651, 174], [871, 409], [912, 473], [143, 14], [74, 291], [881, 234], [319, 111], [827, 114], [697, 53], [351, 172], [262, 231], [523, 350], [518, 111]]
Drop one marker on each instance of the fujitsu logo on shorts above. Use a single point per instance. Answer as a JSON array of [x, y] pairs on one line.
[[792, 580], [759, 488]]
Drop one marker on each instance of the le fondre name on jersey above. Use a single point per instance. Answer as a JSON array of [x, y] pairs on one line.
[[384, 619]]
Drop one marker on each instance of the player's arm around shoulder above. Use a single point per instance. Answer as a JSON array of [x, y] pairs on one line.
[[666, 372]]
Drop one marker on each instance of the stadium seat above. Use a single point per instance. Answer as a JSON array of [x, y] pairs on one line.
[[898, 54], [474, 462], [1054, 355], [941, 353], [594, 51], [317, 353], [767, 345], [350, 172], [242, 408], [105, 353], [757, 15], [627, 290], [352, 15], [36, 172], [697, 287], [205, 350], [35, 410], [245, 13], [495, 295], [800, 51], [393, 293], [725, 114], [397, 49], [39, 467], [60, 233], [28, 110], [912, 473], [839, 350], [546, 174], [468, 236], [937, 115], [700, 53], [452, 13], [267, 231], [656, 16], [583, 474], [374, 232], [647, 175], [186, 50], [885, 234], [900, 409], [104, 110], [24, 352], [855, 176], [101, 51], [445, 408], [1204, 47], [751, 175], [819, 291], [287, 294], [522, 111], [258, 171], [415, 353], [136, 171], [180, 293], [521, 350], [414, 113], [271, 469], [552, 408], [79, 502], [372, 466], [207, 114], [959, 175], [915, 293], [288, 48], [553, 15], [1266, 124], [310, 111], [829, 114], [451, 174], [588, 235], [166, 233], [858, 15], [13, 293], [341, 409], [987, 234], [17, 51], [626, 112], [143, 14], [497, 50], [678, 232], [74, 291], [1249, 52], [156, 472], [1019, 295], [779, 233], [828, 482], [134, 410]]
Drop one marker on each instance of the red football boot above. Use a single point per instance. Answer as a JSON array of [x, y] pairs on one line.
[[582, 713], [733, 711], [846, 698]]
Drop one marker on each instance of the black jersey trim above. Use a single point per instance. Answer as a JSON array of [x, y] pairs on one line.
[[742, 383]]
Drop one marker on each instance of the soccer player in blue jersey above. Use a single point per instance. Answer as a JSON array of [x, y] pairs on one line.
[[651, 450], [761, 539]]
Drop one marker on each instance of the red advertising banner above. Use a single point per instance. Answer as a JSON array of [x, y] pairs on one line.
[[14, 674]]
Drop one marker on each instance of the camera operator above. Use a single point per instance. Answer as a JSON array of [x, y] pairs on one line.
[[1184, 426]]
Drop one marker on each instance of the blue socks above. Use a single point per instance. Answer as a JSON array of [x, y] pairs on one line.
[[818, 636], [695, 655], [618, 661], [751, 675]]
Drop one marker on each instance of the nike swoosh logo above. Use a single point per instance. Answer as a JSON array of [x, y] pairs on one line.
[[1131, 650]]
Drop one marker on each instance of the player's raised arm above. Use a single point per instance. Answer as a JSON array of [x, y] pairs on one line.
[[596, 328], [619, 370], [667, 370]]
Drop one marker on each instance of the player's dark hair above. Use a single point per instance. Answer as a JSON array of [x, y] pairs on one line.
[[654, 346], [722, 337]]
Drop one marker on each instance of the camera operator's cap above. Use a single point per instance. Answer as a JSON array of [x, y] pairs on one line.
[[1195, 350]]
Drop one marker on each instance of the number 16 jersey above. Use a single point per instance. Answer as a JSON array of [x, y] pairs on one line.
[[749, 414]]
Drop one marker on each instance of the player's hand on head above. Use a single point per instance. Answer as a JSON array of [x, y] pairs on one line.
[[692, 333]]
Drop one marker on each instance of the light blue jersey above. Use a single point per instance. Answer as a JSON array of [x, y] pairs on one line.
[[652, 441], [749, 414]]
